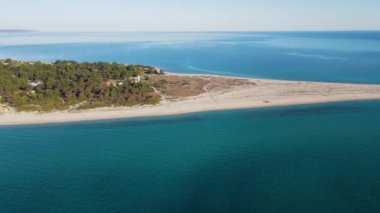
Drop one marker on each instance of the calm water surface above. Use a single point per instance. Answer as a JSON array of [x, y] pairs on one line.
[[317, 158], [317, 56]]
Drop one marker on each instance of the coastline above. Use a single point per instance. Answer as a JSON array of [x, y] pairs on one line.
[[256, 93]]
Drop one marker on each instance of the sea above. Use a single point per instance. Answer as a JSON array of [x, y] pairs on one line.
[[305, 158]]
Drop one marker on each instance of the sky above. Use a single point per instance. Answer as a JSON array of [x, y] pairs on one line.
[[190, 15]]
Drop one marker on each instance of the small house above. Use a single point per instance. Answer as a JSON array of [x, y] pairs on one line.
[[34, 84], [158, 70], [136, 79]]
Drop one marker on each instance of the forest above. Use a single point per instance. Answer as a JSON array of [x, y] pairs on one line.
[[65, 85]]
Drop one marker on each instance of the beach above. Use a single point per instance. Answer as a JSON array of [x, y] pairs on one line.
[[197, 93]]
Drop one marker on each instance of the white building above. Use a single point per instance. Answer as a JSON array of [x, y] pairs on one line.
[[136, 79], [158, 70], [34, 84]]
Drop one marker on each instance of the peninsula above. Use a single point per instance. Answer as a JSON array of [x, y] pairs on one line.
[[68, 91]]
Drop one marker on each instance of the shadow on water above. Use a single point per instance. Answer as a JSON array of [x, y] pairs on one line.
[[125, 122], [140, 122], [309, 110]]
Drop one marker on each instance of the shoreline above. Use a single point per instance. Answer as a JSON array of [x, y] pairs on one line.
[[256, 93], [117, 109]]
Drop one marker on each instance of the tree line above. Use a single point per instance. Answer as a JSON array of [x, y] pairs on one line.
[[38, 86]]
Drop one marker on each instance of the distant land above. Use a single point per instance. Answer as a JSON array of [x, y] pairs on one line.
[[16, 31]]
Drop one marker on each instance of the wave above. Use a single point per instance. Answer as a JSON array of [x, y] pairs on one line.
[[215, 72], [316, 56]]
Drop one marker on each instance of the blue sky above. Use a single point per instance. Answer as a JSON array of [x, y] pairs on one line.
[[190, 15]]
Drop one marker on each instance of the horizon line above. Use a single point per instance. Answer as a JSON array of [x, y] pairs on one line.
[[183, 31]]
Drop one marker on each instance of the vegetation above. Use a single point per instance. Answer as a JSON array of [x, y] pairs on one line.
[[37, 86]]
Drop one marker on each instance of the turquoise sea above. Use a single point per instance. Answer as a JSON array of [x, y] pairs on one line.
[[308, 158], [316, 56]]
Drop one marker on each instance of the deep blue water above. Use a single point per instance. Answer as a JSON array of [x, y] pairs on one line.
[[317, 158], [316, 56]]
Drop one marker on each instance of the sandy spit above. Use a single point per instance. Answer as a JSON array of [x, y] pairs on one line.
[[253, 94]]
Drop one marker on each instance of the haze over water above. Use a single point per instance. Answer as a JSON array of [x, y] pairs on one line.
[[315, 56], [314, 158]]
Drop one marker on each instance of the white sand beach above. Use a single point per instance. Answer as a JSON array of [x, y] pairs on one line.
[[218, 94]]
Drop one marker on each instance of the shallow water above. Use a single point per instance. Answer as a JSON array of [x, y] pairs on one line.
[[316, 158]]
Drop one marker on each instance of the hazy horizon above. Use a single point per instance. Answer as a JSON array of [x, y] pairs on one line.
[[191, 16], [186, 31]]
